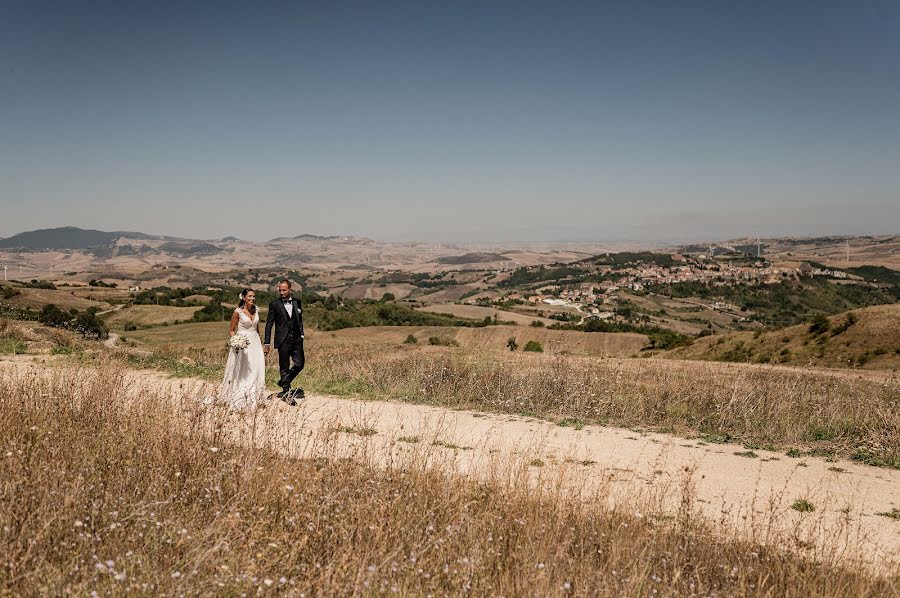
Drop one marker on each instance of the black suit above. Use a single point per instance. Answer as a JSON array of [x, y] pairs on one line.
[[288, 339]]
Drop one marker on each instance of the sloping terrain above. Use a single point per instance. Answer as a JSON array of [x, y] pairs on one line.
[[867, 337]]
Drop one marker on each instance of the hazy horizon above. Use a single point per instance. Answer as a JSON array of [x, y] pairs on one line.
[[533, 122]]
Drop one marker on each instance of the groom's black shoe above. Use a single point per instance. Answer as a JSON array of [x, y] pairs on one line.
[[287, 396], [298, 393]]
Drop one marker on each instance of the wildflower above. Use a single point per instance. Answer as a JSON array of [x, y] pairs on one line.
[[214, 449], [268, 582]]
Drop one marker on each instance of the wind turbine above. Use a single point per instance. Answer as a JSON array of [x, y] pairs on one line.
[[5, 268], [758, 248]]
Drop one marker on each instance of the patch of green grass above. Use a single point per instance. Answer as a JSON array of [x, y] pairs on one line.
[[66, 350], [823, 434], [803, 505], [450, 445], [864, 455], [892, 514], [409, 439], [536, 463], [11, 346], [358, 430], [716, 438], [571, 422], [748, 454], [837, 469]]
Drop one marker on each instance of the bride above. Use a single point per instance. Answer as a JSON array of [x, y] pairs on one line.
[[245, 371]]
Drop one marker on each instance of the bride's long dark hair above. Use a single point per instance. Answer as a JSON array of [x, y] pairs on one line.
[[244, 301]]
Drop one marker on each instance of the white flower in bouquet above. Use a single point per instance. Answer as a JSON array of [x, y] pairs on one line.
[[238, 342]]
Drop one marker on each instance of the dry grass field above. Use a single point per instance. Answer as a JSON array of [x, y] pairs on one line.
[[477, 312], [212, 335], [863, 338], [118, 493], [63, 298], [376, 291], [199, 335], [450, 294], [149, 315]]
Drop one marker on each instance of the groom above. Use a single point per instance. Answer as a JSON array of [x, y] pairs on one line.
[[286, 315]]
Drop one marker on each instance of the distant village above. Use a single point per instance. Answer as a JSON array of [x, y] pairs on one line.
[[593, 299]]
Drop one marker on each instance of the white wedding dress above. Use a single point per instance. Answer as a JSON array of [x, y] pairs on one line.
[[244, 384]]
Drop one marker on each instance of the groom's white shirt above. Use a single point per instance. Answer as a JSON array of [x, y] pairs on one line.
[[289, 307]]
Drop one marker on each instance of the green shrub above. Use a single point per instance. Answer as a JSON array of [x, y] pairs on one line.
[[533, 347], [8, 292], [410, 340], [537, 324], [442, 341], [803, 505], [819, 324], [849, 321], [512, 344]]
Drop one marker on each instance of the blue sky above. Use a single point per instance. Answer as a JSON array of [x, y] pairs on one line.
[[473, 121]]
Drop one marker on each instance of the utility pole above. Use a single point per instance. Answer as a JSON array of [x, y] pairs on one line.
[[848, 251]]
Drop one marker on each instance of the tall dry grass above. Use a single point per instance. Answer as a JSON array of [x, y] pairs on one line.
[[777, 408], [113, 496]]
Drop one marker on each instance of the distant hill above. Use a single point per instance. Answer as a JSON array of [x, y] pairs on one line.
[[67, 237], [307, 237], [471, 258], [867, 337], [190, 248]]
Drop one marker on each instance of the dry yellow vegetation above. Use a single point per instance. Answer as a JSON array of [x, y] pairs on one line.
[[63, 298], [388, 338], [150, 315], [142, 496], [478, 312]]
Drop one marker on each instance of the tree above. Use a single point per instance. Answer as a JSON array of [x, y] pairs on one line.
[[88, 323], [53, 316], [388, 297], [512, 344]]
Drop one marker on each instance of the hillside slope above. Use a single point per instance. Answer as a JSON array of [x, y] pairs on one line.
[[867, 337]]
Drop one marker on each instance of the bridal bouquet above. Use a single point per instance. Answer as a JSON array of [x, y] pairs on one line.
[[238, 342]]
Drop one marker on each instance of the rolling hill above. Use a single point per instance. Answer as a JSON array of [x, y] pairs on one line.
[[868, 337], [67, 237]]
